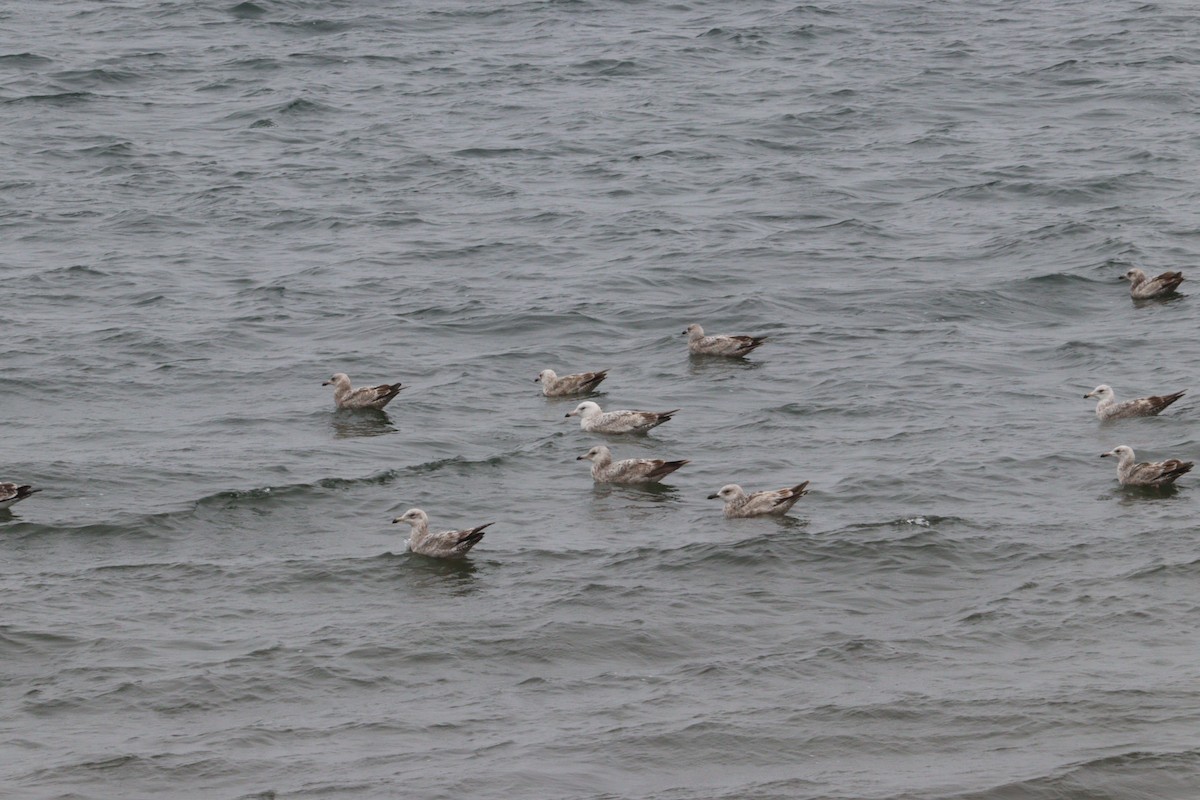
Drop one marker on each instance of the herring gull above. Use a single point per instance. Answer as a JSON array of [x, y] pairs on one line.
[[346, 396], [759, 504], [629, 470], [1143, 288], [1109, 408], [444, 544], [594, 420], [718, 344], [580, 383], [14, 493], [1146, 473]]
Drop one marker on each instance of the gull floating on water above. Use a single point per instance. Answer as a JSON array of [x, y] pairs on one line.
[[719, 345], [346, 396], [1143, 288], [1146, 473], [444, 544], [1109, 408], [14, 493], [759, 504], [594, 420], [580, 383], [629, 470]]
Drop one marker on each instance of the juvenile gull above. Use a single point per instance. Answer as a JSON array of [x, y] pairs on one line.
[[629, 470], [14, 493], [580, 383], [1146, 473], [719, 345], [592, 419], [1143, 288], [1109, 408], [346, 396], [759, 504], [444, 544]]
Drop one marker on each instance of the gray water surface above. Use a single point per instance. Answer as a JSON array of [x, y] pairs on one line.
[[208, 208]]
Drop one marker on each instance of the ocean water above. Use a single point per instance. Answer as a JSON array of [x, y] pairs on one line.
[[208, 208]]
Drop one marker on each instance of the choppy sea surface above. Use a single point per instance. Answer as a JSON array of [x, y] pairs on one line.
[[208, 208]]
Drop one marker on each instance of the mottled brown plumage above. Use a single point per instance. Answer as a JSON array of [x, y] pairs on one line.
[[633, 471], [14, 493], [444, 544], [1131, 472], [579, 383], [719, 344], [594, 420], [346, 396], [759, 504], [1108, 408], [1143, 288]]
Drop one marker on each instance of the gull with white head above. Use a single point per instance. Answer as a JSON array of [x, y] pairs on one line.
[[1107, 406], [444, 544], [776, 502], [1131, 472], [346, 396], [579, 383], [594, 420], [719, 344], [1143, 288], [633, 471]]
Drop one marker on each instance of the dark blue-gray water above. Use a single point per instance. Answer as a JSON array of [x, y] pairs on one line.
[[207, 208]]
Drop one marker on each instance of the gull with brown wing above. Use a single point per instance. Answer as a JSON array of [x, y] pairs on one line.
[[579, 383], [346, 396], [633, 471], [776, 502], [1143, 288], [443, 544], [719, 344], [1109, 408], [595, 420], [1131, 472]]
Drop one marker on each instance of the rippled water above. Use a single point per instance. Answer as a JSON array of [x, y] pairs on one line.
[[209, 208]]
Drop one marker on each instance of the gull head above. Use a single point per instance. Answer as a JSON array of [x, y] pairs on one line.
[[545, 375], [1122, 452], [1134, 275], [1103, 391], [413, 516], [338, 379], [727, 492], [599, 451], [585, 409], [693, 331]]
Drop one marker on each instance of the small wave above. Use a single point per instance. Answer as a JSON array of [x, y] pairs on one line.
[[58, 98], [1135, 774], [608, 66], [24, 59], [247, 10]]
